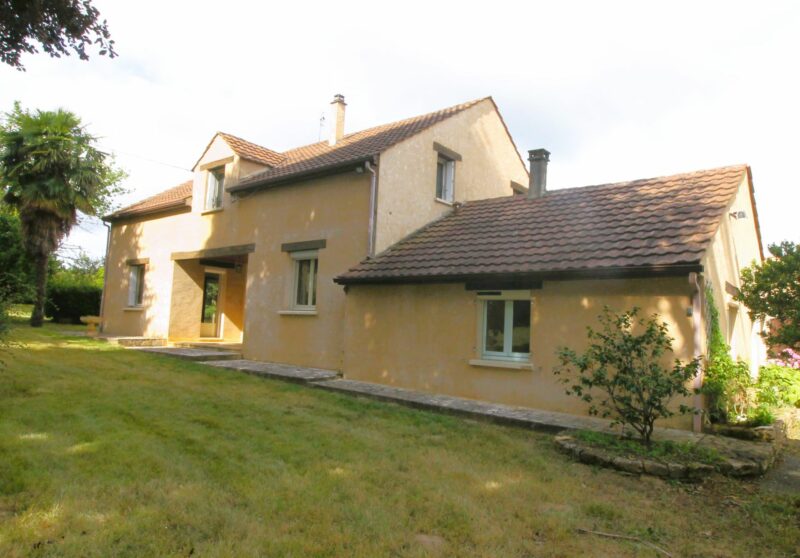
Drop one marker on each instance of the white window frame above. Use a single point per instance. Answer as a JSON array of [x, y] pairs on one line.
[[218, 188], [508, 326], [301, 256], [448, 179], [136, 285]]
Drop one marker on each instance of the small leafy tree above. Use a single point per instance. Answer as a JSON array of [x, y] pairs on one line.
[[771, 289], [620, 375]]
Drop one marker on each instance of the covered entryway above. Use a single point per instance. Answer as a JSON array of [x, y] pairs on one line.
[[208, 294]]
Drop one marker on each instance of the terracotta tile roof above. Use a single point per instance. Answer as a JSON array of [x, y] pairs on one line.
[[310, 159], [251, 151], [351, 149], [644, 224], [173, 198]]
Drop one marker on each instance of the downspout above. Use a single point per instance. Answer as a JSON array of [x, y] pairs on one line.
[[373, 208], [105, 278], [697, 298]]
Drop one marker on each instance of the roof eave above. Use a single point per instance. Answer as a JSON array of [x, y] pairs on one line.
[[629, 272], [184, 204], [326, 170]]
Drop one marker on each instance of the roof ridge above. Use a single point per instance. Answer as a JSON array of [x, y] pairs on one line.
[[636, 182], [354, 148], [460, 106]]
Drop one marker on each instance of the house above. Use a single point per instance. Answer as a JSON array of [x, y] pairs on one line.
[[247, 250], [422, 254], [476, 303]]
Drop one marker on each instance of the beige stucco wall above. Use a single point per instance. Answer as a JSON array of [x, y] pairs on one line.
[[735, 246], [407, 174], [334, 208], [423, 336]]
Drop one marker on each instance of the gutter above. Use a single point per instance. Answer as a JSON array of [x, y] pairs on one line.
[[184, 204], [697, 298], [373, 207], [301, 175], [676, 270], [105, 275]]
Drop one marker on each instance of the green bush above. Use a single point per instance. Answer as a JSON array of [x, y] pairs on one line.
[[761, 415], [621, 374], [727, 384], [778, 386], [67, 303]]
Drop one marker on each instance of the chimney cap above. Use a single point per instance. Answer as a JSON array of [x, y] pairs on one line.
[[338, 98], [539, 155]]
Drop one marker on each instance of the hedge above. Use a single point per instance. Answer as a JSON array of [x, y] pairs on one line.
[[67, 303]]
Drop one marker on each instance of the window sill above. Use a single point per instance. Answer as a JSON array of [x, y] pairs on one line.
[[133, 309], [297, 312], [214, 210], [511, 364], [443, 202]]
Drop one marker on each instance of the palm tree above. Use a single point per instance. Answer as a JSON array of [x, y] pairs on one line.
[[49, 171]]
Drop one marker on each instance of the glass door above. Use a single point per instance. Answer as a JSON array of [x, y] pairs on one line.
[[209, 326]]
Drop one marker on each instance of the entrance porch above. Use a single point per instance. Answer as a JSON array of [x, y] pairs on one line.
[[208, 294]]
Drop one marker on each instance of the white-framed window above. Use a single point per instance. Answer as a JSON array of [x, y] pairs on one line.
[[505, 325], [136, 285], [445, 176], [215, 182], [304, 293]]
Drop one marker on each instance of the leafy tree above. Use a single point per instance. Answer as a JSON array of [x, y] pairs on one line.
[[81, 269], [623, 363], [59, 26], [772, 289], [50, 170], [16, 273]]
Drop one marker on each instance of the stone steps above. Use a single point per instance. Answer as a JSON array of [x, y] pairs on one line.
[[135, 341], [197, 355]]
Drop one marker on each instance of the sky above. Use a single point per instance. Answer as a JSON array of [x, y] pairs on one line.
[[614, 90]]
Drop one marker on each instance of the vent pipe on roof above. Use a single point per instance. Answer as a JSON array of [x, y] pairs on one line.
[[538, 183], [337, 122]]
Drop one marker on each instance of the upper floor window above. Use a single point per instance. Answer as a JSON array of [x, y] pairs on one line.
[[215, 182], [136, 285], [445, 175]]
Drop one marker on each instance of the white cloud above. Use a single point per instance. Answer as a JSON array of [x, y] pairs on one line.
[[615, 90]]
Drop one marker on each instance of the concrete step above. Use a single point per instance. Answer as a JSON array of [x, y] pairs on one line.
[[198, 355], [212, 345], [135, 341], [277, 371]]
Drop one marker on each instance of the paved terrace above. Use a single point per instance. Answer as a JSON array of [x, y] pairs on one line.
[[748, 456]]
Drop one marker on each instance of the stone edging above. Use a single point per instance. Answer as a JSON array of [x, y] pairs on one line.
[[694, 471]]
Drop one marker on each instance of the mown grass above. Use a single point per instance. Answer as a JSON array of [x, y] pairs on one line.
[[107, 452]]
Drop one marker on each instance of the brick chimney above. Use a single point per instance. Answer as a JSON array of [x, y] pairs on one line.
[[538, 161], [337, 120]]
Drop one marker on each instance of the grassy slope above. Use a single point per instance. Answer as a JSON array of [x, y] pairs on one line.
[[111, 452]]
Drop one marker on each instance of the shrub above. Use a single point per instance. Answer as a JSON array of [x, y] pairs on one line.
[[760, 415], [67, 303], [778, 386], [626, 366], [727, 385]]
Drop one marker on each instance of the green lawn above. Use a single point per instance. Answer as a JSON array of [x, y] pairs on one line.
[[108, 452]]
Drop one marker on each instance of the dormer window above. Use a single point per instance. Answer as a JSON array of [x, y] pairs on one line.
[[215, 182]]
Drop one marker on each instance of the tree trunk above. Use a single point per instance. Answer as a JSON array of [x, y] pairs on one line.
[[37, 316]]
